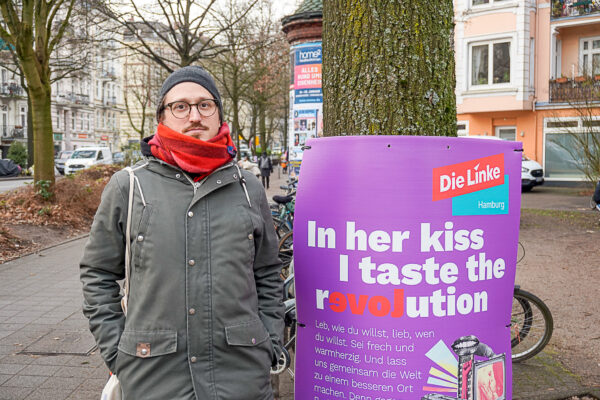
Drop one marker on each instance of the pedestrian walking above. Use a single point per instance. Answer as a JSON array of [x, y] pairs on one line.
[[204, 312], [266, 167]]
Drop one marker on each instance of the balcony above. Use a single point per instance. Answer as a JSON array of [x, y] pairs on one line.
[[110, 101], [574, 8], [74, 98], [11, 132], [82, 99], [578, 90], [108, 74], [11, 90]]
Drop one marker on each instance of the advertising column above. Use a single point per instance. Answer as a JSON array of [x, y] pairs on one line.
[[306, 99], [405, 257]]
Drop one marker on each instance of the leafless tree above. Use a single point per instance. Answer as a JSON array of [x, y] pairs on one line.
[[184, 27]]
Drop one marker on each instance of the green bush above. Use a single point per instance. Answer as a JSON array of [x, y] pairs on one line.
[[18, 153]]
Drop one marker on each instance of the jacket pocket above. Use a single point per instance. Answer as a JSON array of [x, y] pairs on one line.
[[145, 344], [251, 333]]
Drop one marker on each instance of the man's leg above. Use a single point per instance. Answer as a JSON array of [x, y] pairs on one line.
[[267, 182]]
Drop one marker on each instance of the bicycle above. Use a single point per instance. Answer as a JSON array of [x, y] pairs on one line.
[[282, 213], [531, 325], [286, 253], [595, 199], [531, 322]]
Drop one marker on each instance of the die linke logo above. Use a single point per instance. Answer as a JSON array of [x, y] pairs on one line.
[[467, 177]]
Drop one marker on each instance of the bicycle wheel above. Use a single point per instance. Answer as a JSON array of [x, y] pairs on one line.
[[531, 325], [281, 228], [286, 252], [289, 339]]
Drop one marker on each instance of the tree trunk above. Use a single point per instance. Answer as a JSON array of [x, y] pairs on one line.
[[30, 151], [388, 68], [43, 144]]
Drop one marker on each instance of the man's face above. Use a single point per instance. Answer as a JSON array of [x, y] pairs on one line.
[[195, 125]]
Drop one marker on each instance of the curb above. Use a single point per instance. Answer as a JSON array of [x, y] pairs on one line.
[[15, 178], [45, 248]]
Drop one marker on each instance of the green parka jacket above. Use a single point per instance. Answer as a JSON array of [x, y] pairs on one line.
[[204, 314]]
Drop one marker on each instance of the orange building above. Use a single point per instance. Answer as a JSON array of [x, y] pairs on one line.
[[524, 71]]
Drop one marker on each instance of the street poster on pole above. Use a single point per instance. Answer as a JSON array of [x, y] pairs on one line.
[[404, 256], [306, 99]]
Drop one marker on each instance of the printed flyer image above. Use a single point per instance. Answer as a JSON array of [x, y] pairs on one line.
[[308, 59], [405, 257]]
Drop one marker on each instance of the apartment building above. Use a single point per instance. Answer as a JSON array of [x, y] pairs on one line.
[[525, 70], [142, 80], [87, 104], [13, 110]]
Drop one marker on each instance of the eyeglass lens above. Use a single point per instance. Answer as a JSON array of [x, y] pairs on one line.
[[181, 109]]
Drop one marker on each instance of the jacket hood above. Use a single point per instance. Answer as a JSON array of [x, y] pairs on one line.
[[145, 147]]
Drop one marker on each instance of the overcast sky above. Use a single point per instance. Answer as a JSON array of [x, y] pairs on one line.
[[282, 8]]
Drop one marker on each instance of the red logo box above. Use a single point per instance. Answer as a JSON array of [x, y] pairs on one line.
[[467, 177]]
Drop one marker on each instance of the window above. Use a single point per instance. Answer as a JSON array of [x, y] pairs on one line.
[[590, 56], [462, 128], [23, 116], [490, 63], [482, 2], [563, 157], [506, 132]]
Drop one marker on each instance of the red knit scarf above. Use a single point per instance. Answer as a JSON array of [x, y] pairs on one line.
[[197, 157]]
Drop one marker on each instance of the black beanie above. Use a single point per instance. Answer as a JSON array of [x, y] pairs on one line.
[[191, 73]]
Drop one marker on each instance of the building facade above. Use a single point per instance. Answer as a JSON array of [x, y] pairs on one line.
[[88, 104], [529, 70], [13, 109]]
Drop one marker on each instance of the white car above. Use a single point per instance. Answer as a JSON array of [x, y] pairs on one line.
[[532, 174], [85, 157]]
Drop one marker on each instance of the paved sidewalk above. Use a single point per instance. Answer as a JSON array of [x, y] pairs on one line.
[[47, 352], [45, 346]]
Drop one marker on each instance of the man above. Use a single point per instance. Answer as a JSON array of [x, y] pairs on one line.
[[204, 313], [266, 167]]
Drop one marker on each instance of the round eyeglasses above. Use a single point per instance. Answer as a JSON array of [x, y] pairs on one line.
[[181, 109]]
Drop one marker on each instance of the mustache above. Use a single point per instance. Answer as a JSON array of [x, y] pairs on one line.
[[195, 126]]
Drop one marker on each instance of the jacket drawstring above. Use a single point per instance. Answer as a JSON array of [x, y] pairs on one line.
[[243, 182]]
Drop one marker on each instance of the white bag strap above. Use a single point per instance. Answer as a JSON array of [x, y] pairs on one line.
[[127, 241], [132, 180]]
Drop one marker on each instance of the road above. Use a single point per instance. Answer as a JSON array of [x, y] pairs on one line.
[[10, 184]]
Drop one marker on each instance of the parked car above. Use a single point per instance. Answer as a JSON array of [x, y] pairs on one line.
[[9, 168], [61, 158], [118, 157], [532, 174], [85, 157]]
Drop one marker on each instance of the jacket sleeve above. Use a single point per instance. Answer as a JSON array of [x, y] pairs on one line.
[[101, 267], [269, 285]]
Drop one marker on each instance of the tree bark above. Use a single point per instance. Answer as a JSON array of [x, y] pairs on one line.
[[35, 66], [388, 68], [43, 139]]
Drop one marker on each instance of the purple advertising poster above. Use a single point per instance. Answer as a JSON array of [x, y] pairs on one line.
[[405, 251]]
